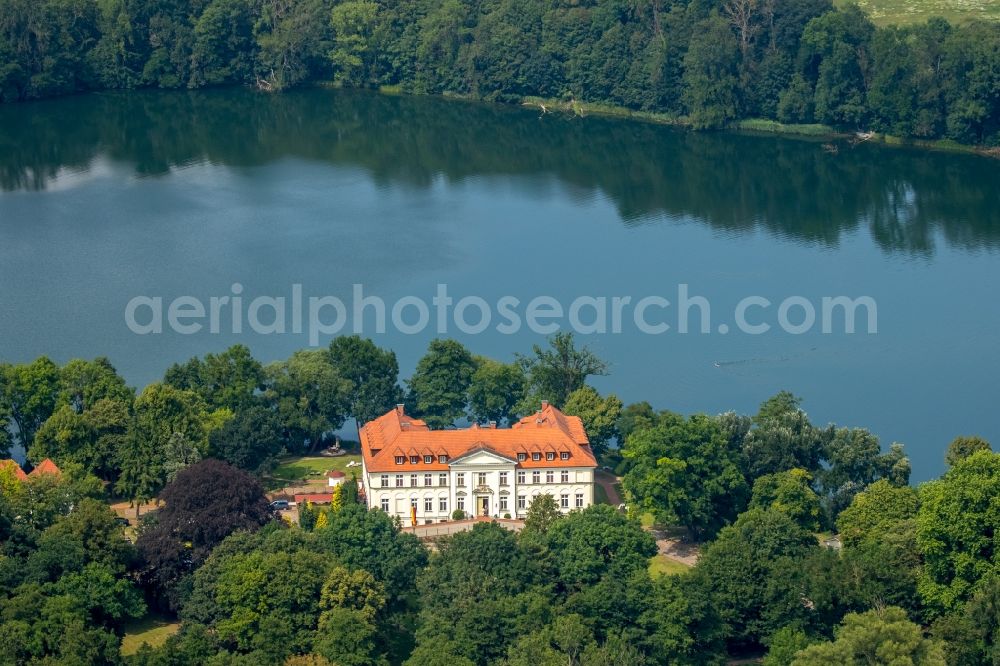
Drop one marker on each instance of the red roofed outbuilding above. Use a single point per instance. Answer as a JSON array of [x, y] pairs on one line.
[[46, 467]]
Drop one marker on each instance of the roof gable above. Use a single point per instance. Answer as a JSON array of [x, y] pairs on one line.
[[46, 467], [481, 455]]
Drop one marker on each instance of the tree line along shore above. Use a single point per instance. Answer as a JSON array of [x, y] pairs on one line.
[[914, 579], [703, 63]]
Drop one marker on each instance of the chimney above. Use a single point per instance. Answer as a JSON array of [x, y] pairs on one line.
[[545, 403], [493, 425], [399, 407]]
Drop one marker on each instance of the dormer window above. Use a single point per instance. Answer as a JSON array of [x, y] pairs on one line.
[[564, 455], [414, 460], [442, 459], [521, 457], [550, 456], [536, 456], [428, 459], [400, 460]]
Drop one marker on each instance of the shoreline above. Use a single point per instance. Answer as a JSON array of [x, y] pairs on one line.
[[758, 126]]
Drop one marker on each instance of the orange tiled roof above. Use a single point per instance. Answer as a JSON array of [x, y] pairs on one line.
[[546, 431], [46, 467], [18, 472]]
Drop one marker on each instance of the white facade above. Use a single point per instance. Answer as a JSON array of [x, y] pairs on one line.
[[481, 483]]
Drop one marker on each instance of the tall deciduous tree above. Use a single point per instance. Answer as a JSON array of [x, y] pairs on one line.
[[781, 438], [599, 415], [84, 383], [791, 493], [956, 527], [373, 372], [162, 413], [204, 504], [229, 380], [439, 387], [495, 391], [252, 440], [28, 396], [881, 637], [685, 472], [557, 371], [873, 510], [310, 396], [962, 447], [751, 574]]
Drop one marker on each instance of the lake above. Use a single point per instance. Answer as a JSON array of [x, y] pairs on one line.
[[107, 197]]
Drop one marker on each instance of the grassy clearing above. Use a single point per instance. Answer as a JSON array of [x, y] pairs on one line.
[[305, 468], [904, 12], [153, 630], [774, 127], [647, 520], [661, 565]]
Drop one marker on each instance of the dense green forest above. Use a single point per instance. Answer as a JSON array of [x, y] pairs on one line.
[[701, 61], [916, 581]]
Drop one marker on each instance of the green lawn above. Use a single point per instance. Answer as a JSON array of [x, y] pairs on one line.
[[647, 520], [152, 629], [661, 565], [303, 468], [900, 12]]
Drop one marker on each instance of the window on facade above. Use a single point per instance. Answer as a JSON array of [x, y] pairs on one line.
[[564, 501], [564, 455], [399, 480], [536, 456], [428, 505], [442, 459], [503, 503], [443, 505], [428, 459], [550, 456], [521, 457], [536, 477], [385, 480], [481, 480], [428, 479], [564, 476], [443, 479], [579, 500], [460, 503], [549, 476], [460, 479], [413, 480], [503, 478], [413, 502], [414, 460], [520, 477], [521, 501], [400, 460], [385, 504]]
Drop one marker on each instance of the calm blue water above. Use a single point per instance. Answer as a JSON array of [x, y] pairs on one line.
[[106, 197]]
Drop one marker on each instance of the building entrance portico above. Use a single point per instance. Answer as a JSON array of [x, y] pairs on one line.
[[483, 506]]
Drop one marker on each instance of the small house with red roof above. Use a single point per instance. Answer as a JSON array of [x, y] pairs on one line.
[[424, 475], [46, 467], [335, 477]]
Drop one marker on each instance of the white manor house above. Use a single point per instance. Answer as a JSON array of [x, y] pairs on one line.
[[424, 475]]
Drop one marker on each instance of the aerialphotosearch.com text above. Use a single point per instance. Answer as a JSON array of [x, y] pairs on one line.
[[324, 316]]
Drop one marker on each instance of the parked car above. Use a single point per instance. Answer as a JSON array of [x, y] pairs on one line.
[[279, 505], [123, 522]]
